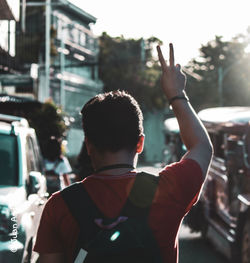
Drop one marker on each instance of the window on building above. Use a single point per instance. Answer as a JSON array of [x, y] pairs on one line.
[[75, 35], [82, 39]]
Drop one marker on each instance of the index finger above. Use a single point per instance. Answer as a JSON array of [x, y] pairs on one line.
[[171, 55], [161, 58]]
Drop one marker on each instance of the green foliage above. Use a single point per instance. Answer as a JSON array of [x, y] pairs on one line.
[[234, 62], [128, 64], [46, 118], [48, 121]]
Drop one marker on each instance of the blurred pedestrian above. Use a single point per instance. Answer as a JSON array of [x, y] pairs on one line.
[[56, 165], [118, 214]]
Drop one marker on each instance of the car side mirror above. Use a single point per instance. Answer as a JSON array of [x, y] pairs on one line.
[[34, 182]]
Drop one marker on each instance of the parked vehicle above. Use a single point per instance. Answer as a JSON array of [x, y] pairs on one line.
[[224, 206], [22, 189], [175, 149]]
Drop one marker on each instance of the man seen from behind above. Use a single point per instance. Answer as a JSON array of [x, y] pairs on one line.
[[113, 127]]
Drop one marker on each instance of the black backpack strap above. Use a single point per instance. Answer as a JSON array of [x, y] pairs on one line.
[[83, 209], [137, 207], [138, 202], [141, 195]]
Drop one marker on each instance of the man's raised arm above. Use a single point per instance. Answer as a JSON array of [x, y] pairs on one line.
[[193, 133]]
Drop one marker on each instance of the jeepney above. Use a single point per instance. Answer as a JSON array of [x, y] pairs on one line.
[[224, 206]]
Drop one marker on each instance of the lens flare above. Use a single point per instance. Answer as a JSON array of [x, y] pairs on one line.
[[115, 236]]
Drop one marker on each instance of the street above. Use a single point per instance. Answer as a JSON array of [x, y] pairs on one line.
[[192, 248]]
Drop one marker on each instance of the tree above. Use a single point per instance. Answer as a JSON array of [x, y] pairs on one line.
[[47, 118], [49, 121], [231, 57], [128, 64]]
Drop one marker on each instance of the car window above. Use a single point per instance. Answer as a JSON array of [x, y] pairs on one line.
[[38, 155], [30, 156], [8, 160]]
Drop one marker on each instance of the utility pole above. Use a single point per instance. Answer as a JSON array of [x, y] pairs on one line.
[[23, 26], [46, 92], [62, 68], [47, 49]]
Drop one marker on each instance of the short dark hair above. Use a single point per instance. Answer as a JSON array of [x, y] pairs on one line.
[[112, 121]]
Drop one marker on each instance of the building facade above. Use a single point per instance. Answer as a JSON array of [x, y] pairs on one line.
[[11, 77], [73, 77]]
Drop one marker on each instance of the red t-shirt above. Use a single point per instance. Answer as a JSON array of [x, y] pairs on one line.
[[178, 189]]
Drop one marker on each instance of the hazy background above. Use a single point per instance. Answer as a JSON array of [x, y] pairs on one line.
[[187, 24]]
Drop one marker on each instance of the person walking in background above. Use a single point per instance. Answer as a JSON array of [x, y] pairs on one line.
[[56, 165], [118, 214]]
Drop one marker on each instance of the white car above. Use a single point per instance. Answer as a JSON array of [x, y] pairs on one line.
[[23, 190]]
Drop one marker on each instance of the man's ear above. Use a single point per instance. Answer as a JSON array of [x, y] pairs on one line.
[[140, 144]]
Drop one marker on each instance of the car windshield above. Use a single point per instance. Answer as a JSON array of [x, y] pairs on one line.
[[8, 160]]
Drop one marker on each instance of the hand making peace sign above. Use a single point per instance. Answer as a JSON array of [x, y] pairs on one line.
[[173, 79]]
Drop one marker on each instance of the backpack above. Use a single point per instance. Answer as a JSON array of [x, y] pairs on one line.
[[126, 238]]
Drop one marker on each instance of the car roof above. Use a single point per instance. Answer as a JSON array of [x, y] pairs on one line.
[[10, 119], [10, 123], [226, 117], [171, 125]]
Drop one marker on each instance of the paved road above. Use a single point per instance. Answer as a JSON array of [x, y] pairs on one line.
[[192, 248]]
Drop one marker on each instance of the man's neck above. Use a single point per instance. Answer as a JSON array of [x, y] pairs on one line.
[[101, 160]]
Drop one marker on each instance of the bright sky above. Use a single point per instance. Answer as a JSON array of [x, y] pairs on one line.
[[186, 23]]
